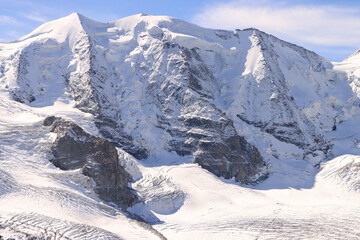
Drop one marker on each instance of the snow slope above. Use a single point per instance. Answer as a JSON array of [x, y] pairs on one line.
[[40, 200], [163, 90], [216, 209]]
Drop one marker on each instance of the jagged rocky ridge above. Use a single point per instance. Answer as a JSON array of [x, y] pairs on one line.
[[156, 83], [74, 148]]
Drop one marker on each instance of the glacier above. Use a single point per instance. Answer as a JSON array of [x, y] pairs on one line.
[[219, 134]]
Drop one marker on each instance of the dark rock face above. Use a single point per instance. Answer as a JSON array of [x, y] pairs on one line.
[[209, 135], [74, 148], [87, 89], [111, 130], [287, 122], [243, 159], [23, 93], [199, 128]]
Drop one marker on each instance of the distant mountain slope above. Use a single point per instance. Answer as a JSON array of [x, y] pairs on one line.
[[155, 77]]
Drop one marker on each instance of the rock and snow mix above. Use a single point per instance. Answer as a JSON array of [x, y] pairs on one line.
[[195, 114]]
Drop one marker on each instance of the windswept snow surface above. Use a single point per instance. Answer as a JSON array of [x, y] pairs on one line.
[[37, 199], [180, 199]]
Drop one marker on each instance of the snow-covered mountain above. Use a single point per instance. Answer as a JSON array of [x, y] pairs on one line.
[[129, 120]]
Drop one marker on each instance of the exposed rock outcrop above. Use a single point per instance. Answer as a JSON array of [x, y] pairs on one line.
[[244, 160], [74, 148]]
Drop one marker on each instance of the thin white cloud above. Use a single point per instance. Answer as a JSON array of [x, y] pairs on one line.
[[7, 20], [36, 18], [33, 10], [325, 25]]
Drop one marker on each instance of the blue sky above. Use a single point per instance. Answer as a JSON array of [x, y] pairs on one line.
[[330, 28]]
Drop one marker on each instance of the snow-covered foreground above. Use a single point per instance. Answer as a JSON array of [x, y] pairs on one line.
[[37, 199], [217, 210]]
